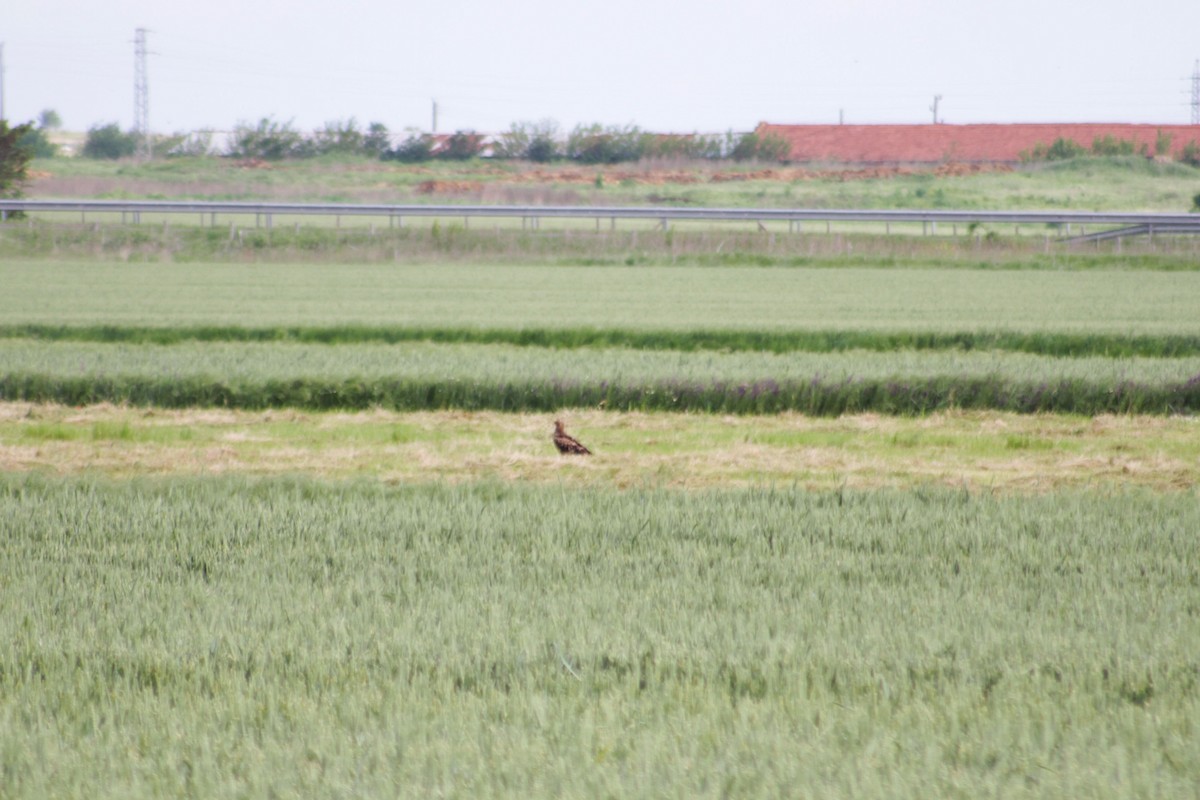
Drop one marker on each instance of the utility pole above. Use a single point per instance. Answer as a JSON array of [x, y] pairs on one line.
[[141, 95], [2, 117], [1196, 93], [434, 128], [937, 98]]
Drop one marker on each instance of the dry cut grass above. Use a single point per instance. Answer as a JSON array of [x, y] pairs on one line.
[[1004, 452]]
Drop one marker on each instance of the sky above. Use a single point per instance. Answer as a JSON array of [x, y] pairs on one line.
[[663, 65]]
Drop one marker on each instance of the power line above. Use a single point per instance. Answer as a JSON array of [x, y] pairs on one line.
[[141, 95], [1195, 101]]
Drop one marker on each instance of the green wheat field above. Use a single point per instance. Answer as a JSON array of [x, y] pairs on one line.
[[867, 518]]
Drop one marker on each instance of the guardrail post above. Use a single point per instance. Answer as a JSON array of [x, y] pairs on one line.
[[268, 222]]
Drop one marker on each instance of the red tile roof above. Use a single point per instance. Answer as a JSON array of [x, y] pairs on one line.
[[963, 143]]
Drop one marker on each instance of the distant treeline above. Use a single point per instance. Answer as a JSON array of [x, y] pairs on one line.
[[538, 142]]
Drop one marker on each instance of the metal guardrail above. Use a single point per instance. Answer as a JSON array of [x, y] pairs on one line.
[[1149, 223]]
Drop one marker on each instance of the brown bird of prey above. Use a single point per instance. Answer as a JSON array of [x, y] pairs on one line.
[[566, 443]]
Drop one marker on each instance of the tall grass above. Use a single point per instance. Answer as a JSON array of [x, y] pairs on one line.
[[817, 396], [763, 341], [218, 638], [179, 239]]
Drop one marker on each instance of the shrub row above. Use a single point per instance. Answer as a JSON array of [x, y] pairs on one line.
[[1050, 344], [817, 397]]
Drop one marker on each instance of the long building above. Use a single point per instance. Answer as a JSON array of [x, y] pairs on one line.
[[984, 143]]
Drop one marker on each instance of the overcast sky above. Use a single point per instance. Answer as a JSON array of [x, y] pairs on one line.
[[664, 65]]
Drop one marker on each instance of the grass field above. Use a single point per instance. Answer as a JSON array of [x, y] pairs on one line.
[[1123, 184], [217, 580], [433, 295], [225, 637]]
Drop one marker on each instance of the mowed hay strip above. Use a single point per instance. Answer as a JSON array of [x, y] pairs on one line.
[[1006, 452]]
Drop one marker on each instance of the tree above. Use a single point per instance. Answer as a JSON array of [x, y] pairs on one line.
[[14, 159], [49, 120], [416, 148], [108, 141], [752, 147], [377, 140], [532, 141], [338, 137], [594, 144], [38, 143], [461, 146], [268, 140]]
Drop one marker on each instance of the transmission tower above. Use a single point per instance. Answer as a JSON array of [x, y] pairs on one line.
[[1196, 93], [141, 95]]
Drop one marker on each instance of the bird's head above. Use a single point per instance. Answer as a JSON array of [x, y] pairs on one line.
[[558, 426]]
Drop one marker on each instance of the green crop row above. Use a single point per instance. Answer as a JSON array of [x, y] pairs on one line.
[[817, 396], [504, 364], [773, 341], [290, 638]]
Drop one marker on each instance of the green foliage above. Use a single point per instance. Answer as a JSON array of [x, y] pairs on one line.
[[109, 142], [417, 148], [1190, 154], [268, 140], [1109, 145], [377, 140], [1162, 143], [486, 640], [38, 143], [421, 376], [460, 146], [596, 144], [49, 120], [752, 147], [1059, 345], [532, 141], [1060, 150], [14, 158], [342, 137]]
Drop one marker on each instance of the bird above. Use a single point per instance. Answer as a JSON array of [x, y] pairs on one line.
[[566, 443]]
